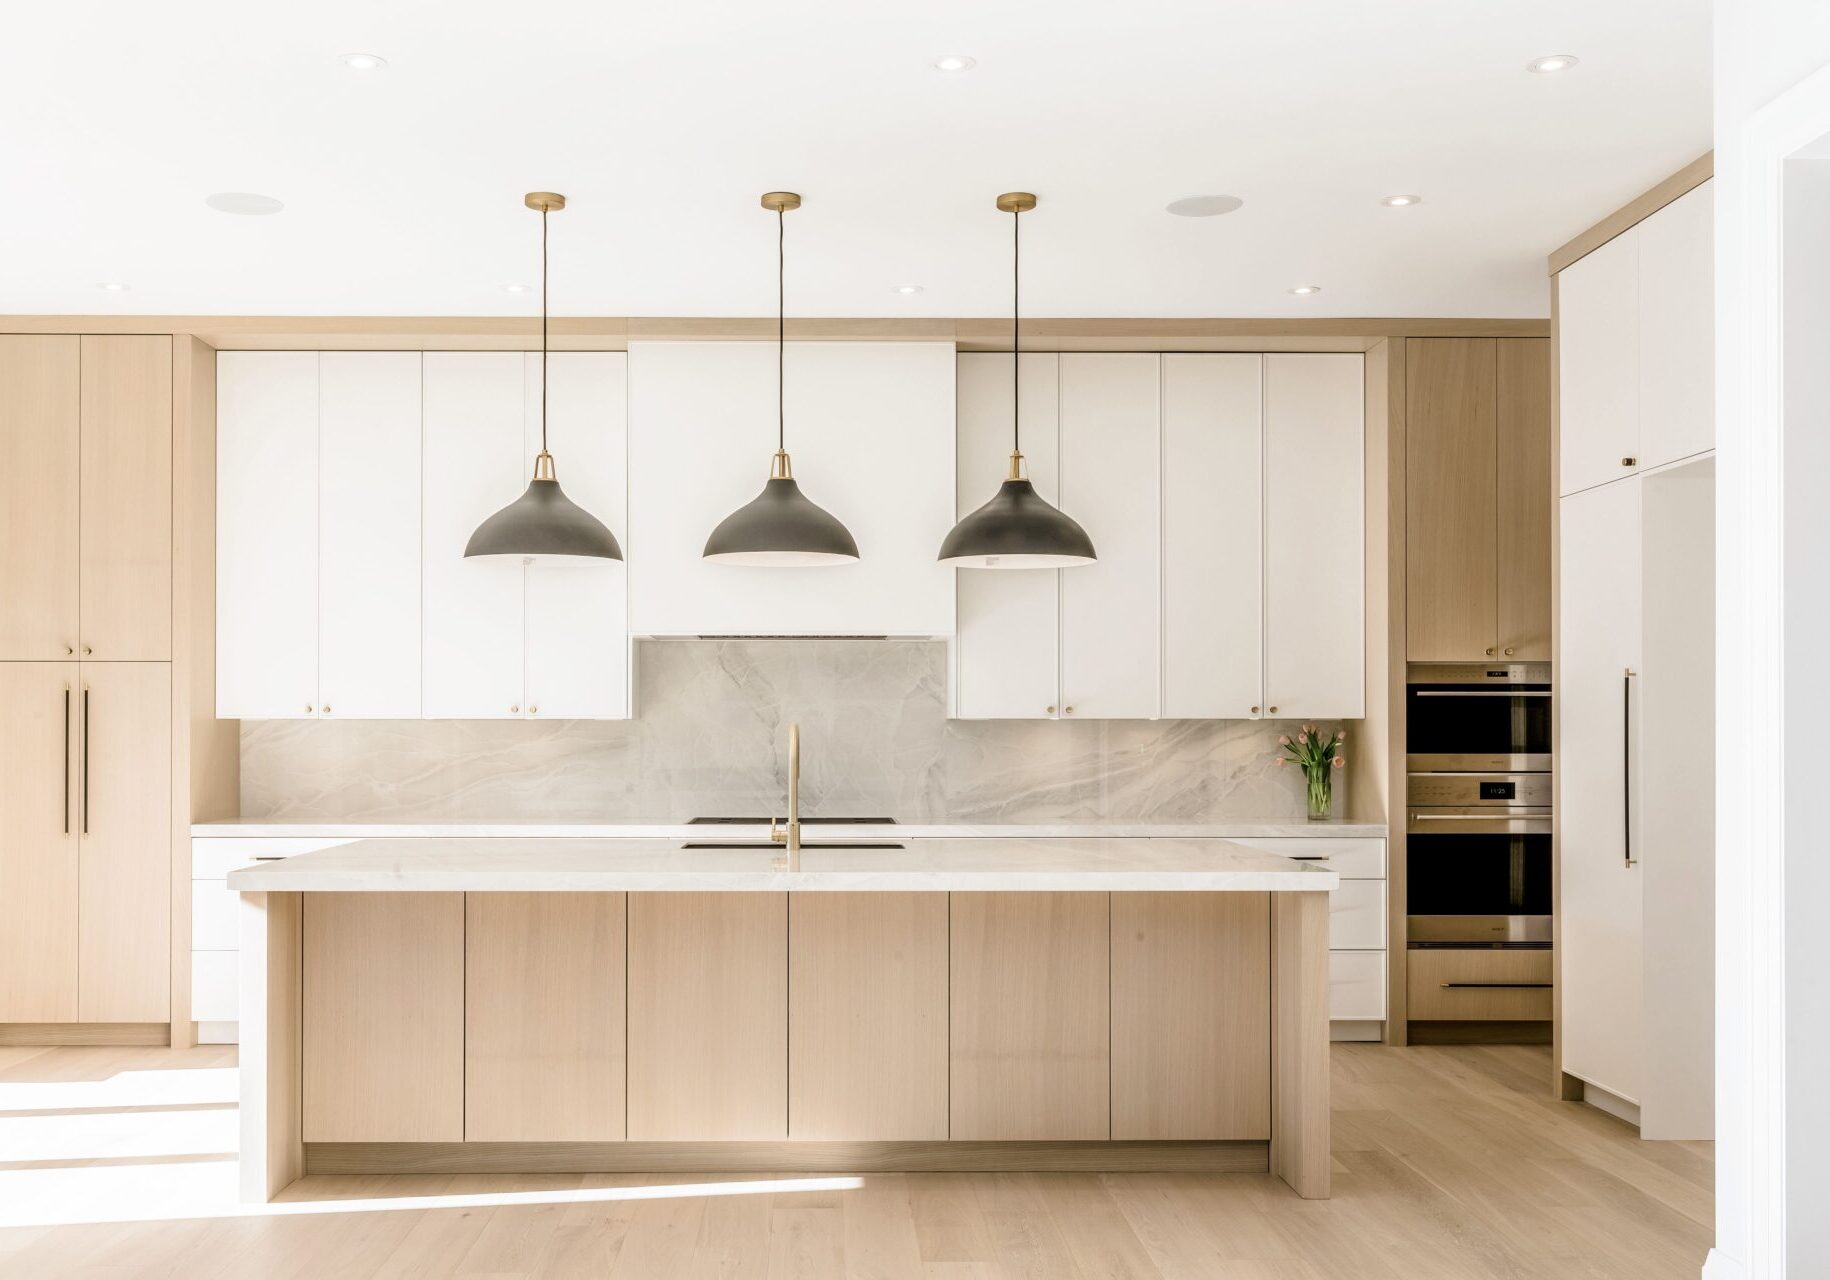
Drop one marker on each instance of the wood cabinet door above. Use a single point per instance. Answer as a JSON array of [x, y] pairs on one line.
[[38, 841], [1007, 653], [1213, 536], [1111, 610], [544, 1007], [576, 632], [1451, 495], [1191, 1015], [867, 1017], [1677, 330], [1525, 498], [1031, 1016], [368, 527], [126, 540], [40, 400], [1598, 351], [267, 534], [474, 465], [125, 824], [708, 1017], [384, 1017], [1315, 542], [1599, 930]]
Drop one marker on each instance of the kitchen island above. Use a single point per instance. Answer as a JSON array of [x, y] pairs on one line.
[[448, 1005]]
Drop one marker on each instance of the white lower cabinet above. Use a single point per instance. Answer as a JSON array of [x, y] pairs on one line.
[[1356, 985]]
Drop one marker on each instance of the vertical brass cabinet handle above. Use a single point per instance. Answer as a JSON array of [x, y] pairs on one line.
[[66, 759], [85, 760]]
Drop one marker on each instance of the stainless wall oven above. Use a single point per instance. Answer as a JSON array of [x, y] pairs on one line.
[[1477, 826]]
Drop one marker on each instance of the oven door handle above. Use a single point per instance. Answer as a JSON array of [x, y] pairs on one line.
[[1481, 693]]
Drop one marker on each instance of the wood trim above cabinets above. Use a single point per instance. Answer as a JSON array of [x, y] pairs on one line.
[[1630, 214]]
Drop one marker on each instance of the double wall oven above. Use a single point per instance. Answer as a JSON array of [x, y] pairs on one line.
[[1477, 825]]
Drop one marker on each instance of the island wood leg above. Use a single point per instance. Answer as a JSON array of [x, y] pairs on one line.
[[272, 1120], [1299, 1042]]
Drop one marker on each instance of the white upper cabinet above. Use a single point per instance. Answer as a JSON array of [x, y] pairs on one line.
[[1677, 329], [266, 534], [475, 463], [870, 428], [1006, 653], [1598, 352], [1110, 474], [1315, 536], [1213, 527], [368, 534], [576, 635]]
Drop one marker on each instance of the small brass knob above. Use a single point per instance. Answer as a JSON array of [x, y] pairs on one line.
[[1629, 462], [533, 710], [327, 708], [1051, 711], [87, 650], [515, 710], [1254, 710], [1508, 651], [309, 709], [1273, 710], [68, 650], [1489, 651]]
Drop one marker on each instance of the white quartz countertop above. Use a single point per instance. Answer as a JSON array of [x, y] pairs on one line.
[[509, 864], [660, 829]]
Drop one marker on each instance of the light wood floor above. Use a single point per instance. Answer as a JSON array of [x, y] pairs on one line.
[[1450, 1162]]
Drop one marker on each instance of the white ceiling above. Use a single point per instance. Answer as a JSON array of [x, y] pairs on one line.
[[663, 121]]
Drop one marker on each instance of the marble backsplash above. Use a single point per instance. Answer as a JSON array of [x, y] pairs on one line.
[[710, 737]]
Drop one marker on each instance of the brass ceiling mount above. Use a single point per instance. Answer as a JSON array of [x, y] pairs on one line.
[[1016, 202], [780, 201], [544, 201]]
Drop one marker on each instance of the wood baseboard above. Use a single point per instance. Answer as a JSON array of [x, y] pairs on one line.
[[785, 1157], [49, 1034], [1480, 1032]]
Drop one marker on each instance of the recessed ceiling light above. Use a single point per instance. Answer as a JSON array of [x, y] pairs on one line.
[[1552, 62], [514, 288], [1304, 290], [908, 288], [112, 286], [1203, 206], [246, 202], [364, 61], [1401, 202], [954, 63]]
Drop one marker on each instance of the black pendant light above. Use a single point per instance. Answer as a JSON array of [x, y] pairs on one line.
[[781, 527], [1017, 529], [543, 525]]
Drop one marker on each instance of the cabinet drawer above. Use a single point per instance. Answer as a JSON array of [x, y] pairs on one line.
[[1444, 984], [1362, 859], [214, 926], [213, 857], [1356, 916], [1356, 984], [215, 986]]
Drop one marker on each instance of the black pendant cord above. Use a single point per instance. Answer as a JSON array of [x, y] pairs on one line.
[[781, 331], [543, 213], [1016, 378]]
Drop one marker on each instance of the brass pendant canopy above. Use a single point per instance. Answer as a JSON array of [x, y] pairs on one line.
[[543, 525], [1018, 528], [781, 527]]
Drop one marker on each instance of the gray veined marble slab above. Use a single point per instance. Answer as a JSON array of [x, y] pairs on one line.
[[1236, 829], [507, 865]]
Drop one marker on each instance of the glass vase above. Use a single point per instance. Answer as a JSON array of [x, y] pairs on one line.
[[1321, 793]]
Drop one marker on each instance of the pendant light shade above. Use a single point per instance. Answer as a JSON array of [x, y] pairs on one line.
[[781, 527], [543, 525], [1018, 528]]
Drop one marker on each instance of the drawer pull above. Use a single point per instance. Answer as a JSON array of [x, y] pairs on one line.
[[1526, 986]]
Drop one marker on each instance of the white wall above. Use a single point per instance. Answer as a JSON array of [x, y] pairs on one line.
[[1771, 1182]]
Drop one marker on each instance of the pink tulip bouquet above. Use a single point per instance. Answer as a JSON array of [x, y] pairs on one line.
[[1319, 755]]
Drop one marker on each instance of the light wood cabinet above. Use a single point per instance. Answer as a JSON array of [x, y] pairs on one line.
[[1477, 506], [708, 1017], [867, 1016], [126, 517], [1191, 1015], [1451, 985], [1031, 1016], [40, 414], [544, 1011], [383, 1021], [39, 795]]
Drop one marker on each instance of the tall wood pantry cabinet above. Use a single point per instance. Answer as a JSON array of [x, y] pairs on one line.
[[85, 678]]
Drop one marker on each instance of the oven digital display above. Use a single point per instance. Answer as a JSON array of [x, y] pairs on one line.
[[1499, 791]]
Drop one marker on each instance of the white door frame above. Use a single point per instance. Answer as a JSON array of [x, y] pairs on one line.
[[1751, 686]]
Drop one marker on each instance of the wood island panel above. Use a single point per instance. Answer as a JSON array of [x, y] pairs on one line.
[[1191, 1015], [867, 1016], [708, 1017], [1300, 1152], [544, 995], [1031, 1016], [384, 1017]]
